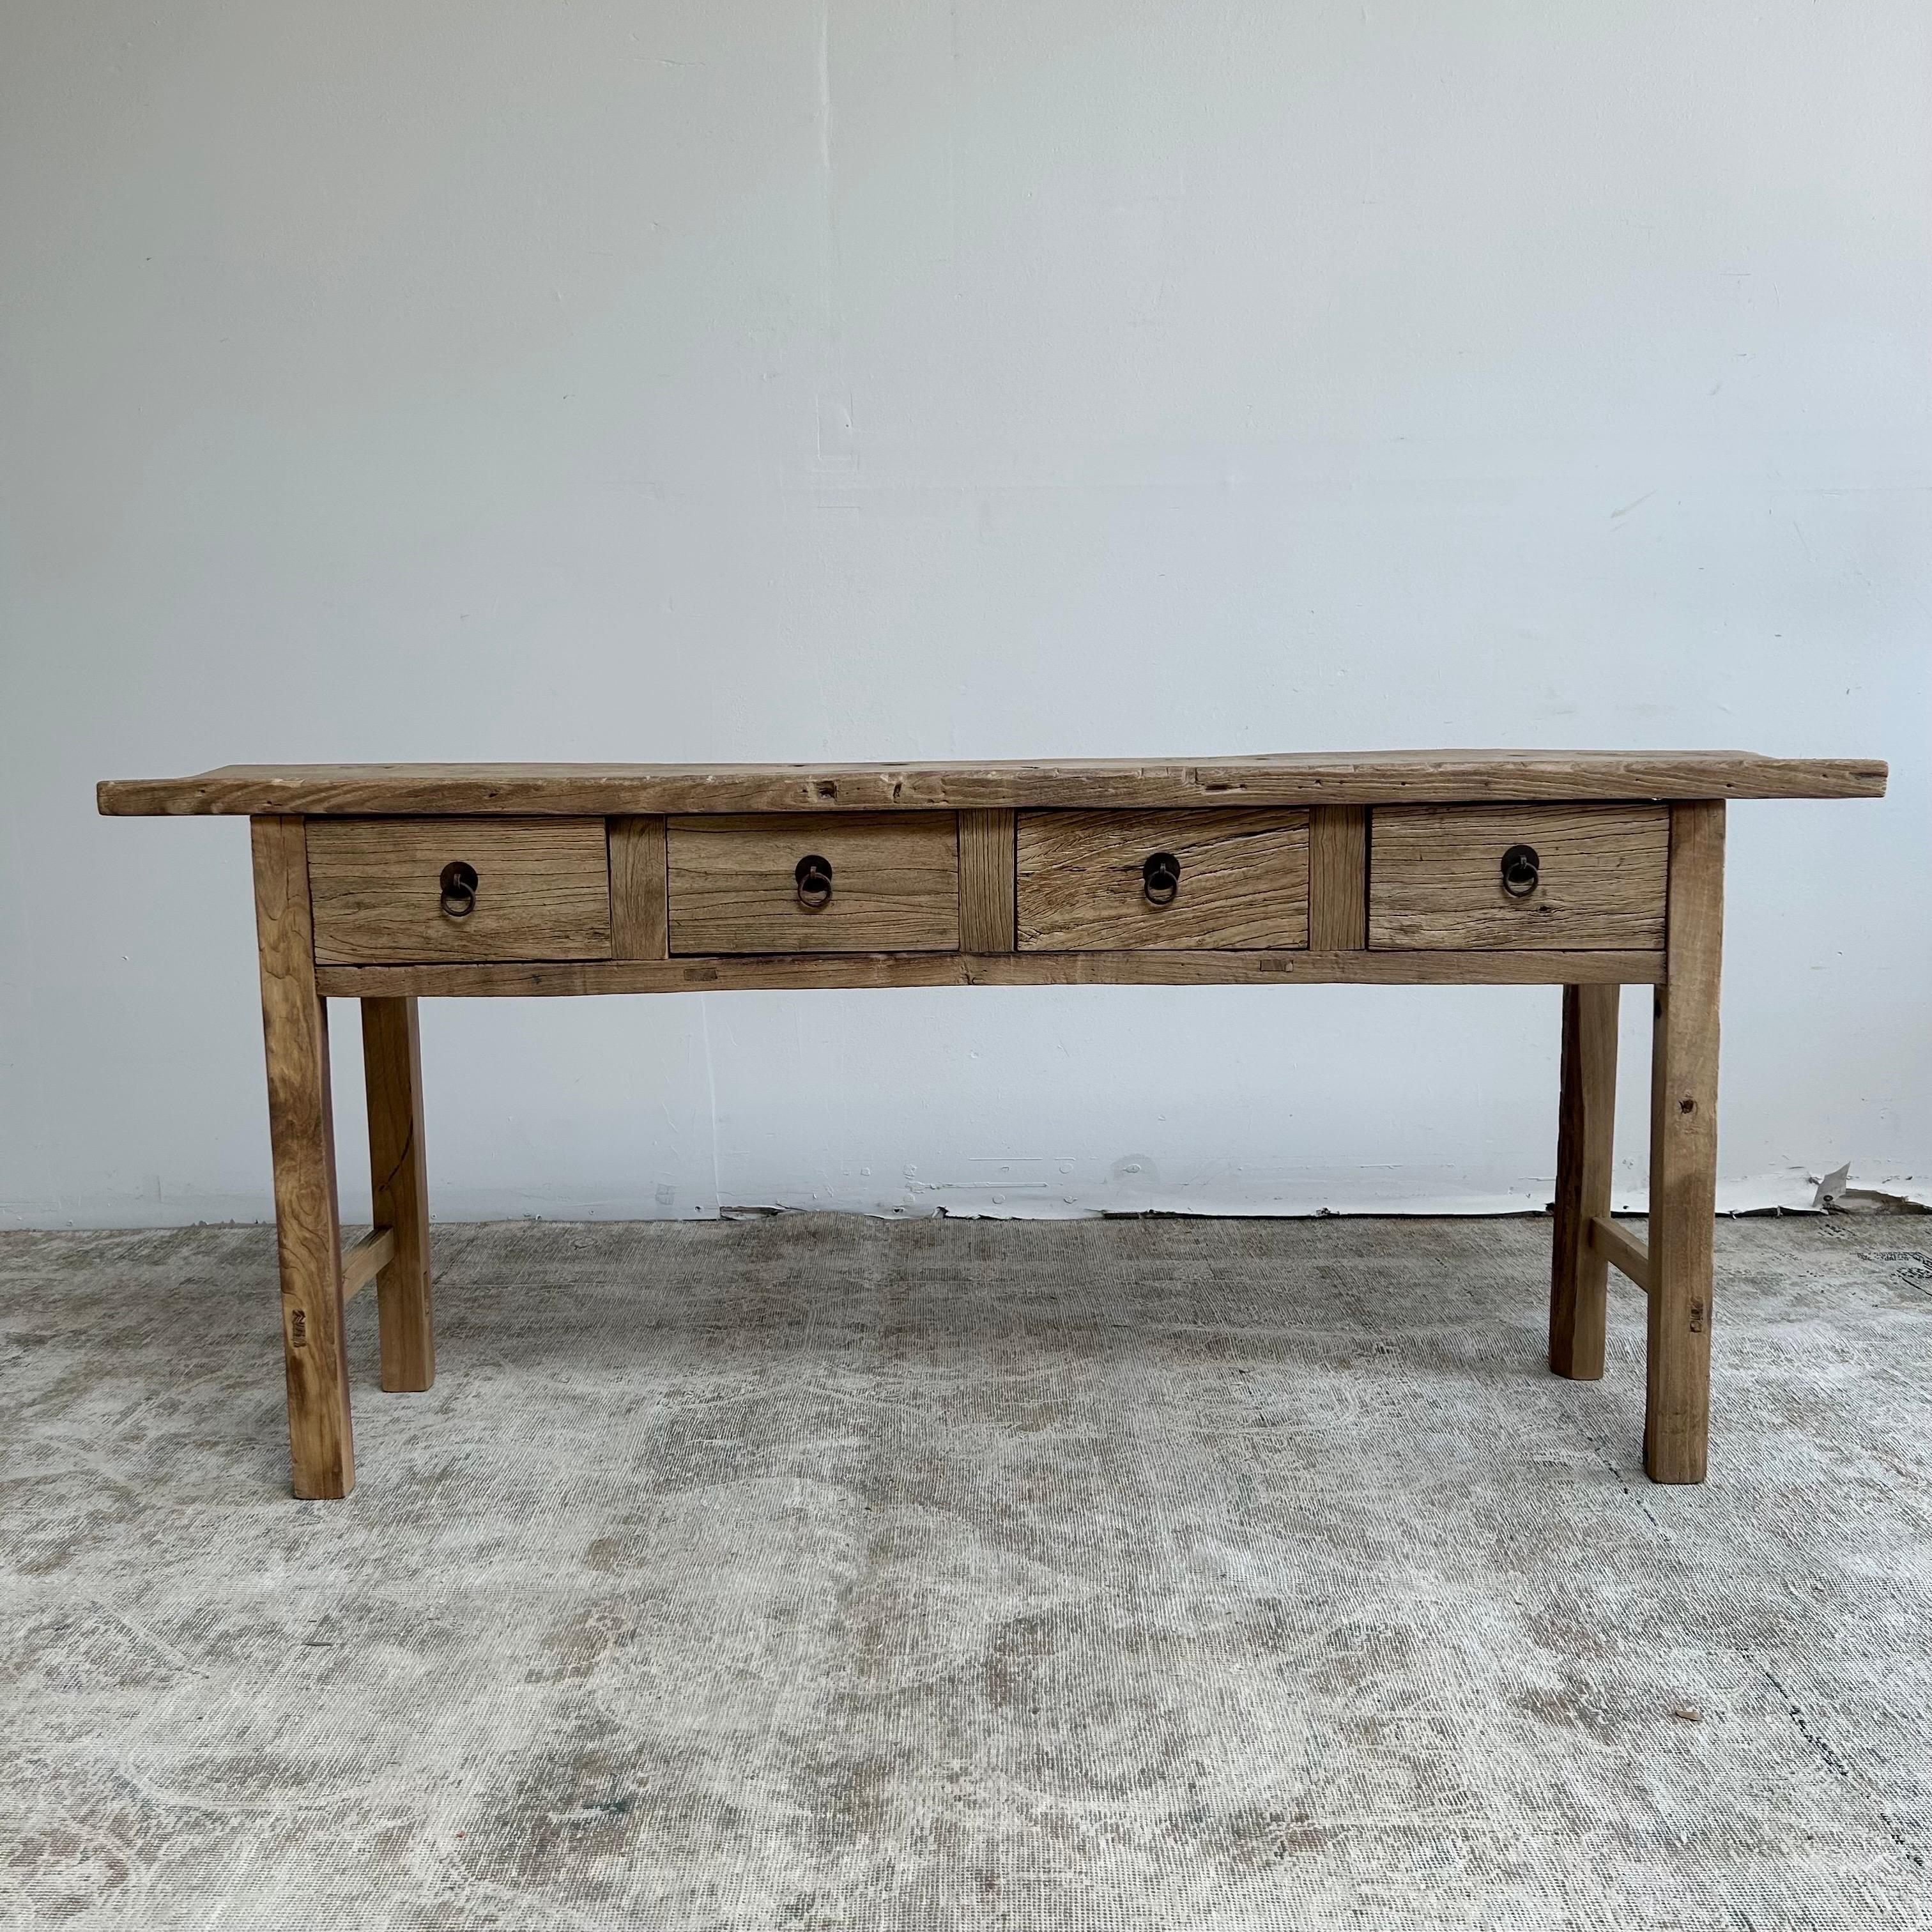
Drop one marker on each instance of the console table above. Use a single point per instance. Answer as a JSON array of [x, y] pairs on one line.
[[1587, 870]]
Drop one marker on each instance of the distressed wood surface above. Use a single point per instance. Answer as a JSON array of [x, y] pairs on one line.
[[640, 909], [1359, 778], [1145, 967], [365, 1259], [1338, 877], [895, 883], [1585, 1117], [986, 914], [301, 1136], [1243, 880], [1683, 1153], [399, 1186], [1620, 1250], [544, 889], [1435, 876]]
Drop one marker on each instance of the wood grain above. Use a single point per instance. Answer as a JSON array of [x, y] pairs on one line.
[[1435, 876], [986, 915], [1243, 880], [1338, 877], [301, 1135], [544, 889], [1620, 1250], [1586, 1118], [1361, 778], [1145, 967], [399, 1184], [363, 1261], [640, 911], [895, 883], [1683, 1153]]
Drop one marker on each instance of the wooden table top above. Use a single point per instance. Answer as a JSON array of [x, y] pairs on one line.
[[1290, 777]]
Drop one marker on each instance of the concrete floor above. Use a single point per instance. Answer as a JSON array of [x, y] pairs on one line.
[[817, 1573]]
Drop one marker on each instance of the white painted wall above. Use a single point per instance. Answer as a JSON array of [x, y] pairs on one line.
[[735, 380]]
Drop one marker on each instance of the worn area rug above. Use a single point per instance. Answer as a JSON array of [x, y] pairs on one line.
[[814, 1573]]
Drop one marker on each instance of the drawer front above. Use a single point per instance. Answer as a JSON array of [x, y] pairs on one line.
[[542, 890], [1595, 882], [887, 882], [1239, 882]]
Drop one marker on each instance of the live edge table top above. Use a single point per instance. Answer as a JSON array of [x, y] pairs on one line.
[[1280, 778]]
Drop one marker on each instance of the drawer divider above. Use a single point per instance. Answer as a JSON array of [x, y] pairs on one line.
[[987, 914], [1338, 878], [640, 917]]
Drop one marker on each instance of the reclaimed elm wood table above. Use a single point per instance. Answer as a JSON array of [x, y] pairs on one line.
[[1588, 870]]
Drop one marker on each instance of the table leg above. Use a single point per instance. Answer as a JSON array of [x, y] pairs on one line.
[[392, 1069], [1684, 1151], [1579, 1283], [295, 1031]]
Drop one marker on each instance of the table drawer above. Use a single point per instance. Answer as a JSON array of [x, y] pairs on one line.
[[392, 890], [878, 882], [1093, 882], [1581, 877]]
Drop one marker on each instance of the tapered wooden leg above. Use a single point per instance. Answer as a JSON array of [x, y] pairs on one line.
[[392, 1068], [1684, 1151], [1585, 1115], [294, 1030]]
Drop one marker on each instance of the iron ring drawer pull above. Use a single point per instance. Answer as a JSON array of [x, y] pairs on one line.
[[459, 888], [1160, 878], [1522, 872], [814, 875]]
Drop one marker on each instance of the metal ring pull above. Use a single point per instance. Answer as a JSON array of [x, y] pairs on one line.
[[459, 888], [1522, 872], [1160, 878], [814, 875]]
